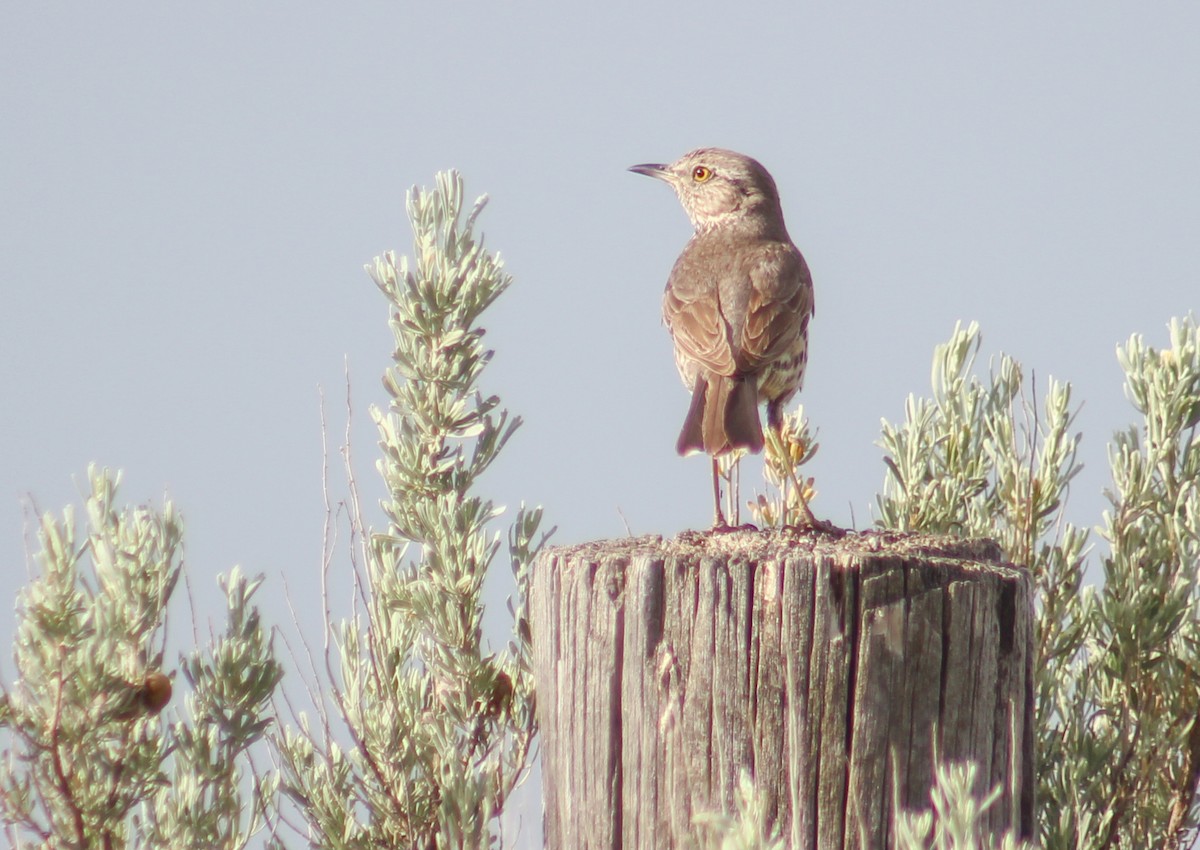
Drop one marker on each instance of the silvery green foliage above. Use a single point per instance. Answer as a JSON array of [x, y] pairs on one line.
[[957, 817], [982, 457], [429, 732], [1133, 710], [87, 757], [747, 827], [1116, 672], [90, 629], [207, 803]]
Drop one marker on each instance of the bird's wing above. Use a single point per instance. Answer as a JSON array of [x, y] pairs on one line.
[[692, 312], [778, 308]]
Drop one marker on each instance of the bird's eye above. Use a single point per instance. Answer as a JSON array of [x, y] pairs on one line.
[[701, 173]]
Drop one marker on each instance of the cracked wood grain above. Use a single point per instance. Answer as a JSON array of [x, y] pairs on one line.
[[834, 669]]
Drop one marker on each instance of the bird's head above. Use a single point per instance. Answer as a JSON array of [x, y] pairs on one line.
[[720, 188]]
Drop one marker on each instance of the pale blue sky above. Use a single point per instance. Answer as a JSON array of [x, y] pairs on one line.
[[188, 193]]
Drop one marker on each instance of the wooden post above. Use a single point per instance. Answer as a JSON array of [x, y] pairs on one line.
[[833, 669]]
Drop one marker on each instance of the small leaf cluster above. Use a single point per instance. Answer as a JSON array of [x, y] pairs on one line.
[[785, 452], [747, 827], [957, 819]]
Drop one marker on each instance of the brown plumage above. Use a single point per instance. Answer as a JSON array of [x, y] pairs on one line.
[[737, 302]]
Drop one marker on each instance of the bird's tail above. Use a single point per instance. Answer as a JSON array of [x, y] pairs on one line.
[[723, 416]]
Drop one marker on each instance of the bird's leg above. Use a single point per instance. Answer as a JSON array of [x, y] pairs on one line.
[[719, 520]]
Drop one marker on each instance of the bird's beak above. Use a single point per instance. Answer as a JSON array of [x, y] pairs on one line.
[[651, 169]]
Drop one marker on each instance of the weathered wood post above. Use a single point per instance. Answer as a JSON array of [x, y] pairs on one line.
[[830, 668]]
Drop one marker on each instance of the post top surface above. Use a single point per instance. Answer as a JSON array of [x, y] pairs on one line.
[[773, 544]]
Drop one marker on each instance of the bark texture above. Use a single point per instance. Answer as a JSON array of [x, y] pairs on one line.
[[831, 668]]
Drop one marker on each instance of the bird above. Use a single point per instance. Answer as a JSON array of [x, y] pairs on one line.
[[737, 305]]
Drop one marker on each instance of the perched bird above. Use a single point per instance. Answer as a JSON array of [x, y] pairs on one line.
[[737, 304]]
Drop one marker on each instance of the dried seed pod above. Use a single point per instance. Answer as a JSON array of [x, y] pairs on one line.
[[148, 698]]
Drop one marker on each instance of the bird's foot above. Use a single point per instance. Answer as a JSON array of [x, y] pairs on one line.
[[812, 524], [722, 527]]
